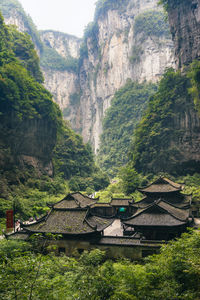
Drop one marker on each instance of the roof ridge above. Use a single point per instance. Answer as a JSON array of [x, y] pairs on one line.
[[175, 206], [88, 223], [170, 213], [166, 180], [138, 213]]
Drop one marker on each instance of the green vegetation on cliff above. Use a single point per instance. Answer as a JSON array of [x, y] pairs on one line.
[[30, 123], [24, 50], [51, 59], [9, 6], [119, 123], [194, 76], [102, 6], [75, 161], [151, 23], [171, 3], [156, 146]]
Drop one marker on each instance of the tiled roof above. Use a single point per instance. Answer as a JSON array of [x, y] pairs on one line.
[[18, 235], [69, 221], [182, 201], [101, 223], [161, 185], [63, 222], [181, 214], [159, 188], [160, 213], [66, 203], [83, 200], [121, 202], [159, 219], [99, 204], [74, 200]]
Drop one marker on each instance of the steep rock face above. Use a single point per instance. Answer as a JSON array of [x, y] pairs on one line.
[[28, 143], [61, 83], [33, 144], [119, 54], [17, 20], [184, 19], [115, 53], [188, 122], [65, 44]]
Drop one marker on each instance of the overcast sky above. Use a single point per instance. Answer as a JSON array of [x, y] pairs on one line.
[[69, 16]]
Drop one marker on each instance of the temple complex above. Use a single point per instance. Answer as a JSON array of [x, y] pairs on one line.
[[122, 227]]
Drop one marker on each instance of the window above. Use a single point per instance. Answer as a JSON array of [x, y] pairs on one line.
[[61, 250], [145, 253], [80, 251], [122, 209]]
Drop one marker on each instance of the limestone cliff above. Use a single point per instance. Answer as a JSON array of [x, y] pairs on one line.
[[114, 49], [65, 44], [61, 82], [184, 19], [31, 143], [116, 52]]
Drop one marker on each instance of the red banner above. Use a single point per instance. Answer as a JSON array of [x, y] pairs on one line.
[[9, 219]]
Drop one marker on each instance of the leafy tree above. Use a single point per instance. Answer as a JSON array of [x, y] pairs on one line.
[[172, 274], [130, 179], [75, 161]]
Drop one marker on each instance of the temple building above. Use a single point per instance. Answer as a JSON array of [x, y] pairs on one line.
[[122, 227], [72, 219], [164, 212]]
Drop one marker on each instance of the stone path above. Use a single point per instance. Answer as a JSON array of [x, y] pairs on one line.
[[115, 229]]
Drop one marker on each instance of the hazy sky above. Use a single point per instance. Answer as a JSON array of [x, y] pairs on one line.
[[69, 16]]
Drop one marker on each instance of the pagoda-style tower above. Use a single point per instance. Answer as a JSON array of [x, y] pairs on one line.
[[163, 213]]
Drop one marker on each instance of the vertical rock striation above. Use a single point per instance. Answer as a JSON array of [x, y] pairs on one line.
[[184, 19], [112, 52], [119, 54]]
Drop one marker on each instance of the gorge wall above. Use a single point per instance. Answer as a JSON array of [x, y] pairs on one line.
[[118, 50], [170, 130], [62, 82], [184, 19], [115, 48]]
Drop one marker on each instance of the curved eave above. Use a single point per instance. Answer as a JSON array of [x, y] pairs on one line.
[[34, 223], [64, 233], [156, 192], [161, 225]]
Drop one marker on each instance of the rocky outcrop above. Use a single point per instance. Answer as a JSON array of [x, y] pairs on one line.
[[61, 83], [188, 122], [65, 44], [184, 19], [31, 143]]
